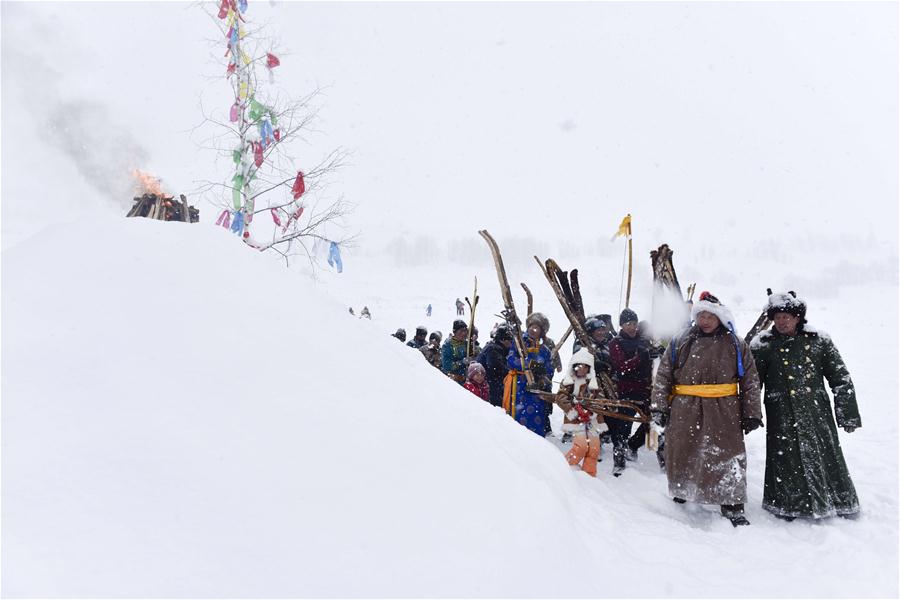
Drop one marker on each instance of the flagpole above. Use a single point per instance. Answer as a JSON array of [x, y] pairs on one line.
[[628, 289]]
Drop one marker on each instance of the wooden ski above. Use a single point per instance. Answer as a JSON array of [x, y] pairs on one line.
[[530, 299], [762, 323], [472, 304], [509, 312]]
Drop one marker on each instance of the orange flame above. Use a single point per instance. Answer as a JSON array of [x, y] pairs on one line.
[[147, 183]]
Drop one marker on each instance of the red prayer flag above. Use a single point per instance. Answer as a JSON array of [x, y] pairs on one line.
[[271, 60], [299, 186]]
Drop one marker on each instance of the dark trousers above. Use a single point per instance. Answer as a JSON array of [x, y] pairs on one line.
[[619, 430]]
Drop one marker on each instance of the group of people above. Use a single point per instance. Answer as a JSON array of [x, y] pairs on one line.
[[703, 399]]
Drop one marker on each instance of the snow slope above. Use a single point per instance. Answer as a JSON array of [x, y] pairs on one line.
[[258, 441]]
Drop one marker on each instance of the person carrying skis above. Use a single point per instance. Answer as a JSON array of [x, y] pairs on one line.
[[706, 395], [600, 328], [525, 407], [419, 339], [806, 475], [475, 381], [578, 385], [432, 350], [453, 353], [493, 358], [629, 356]]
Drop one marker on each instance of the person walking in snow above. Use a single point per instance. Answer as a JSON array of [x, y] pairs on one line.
[[525, 407], [453, 353], [476, 382], [580, 385], [365, 313], [428, 310], [432, 350], [460, 307], [600, 328], [706, 395], [493, 358], [806, 475], [629, 355], [419, 339]]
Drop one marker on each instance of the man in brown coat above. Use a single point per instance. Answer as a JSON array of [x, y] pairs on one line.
[[706, 394]]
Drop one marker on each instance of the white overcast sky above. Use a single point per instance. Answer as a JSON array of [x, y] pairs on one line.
[[517, 117]]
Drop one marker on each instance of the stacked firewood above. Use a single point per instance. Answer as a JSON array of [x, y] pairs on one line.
[[164, 208]]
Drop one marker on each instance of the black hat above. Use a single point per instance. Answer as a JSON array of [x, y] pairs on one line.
[[400, 334], [592, 325], [786, 303], [459, 324], [420, 330], [627, 315], [435, 335], [502, 333]]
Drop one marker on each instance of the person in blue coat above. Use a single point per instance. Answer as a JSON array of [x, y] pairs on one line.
[[525, 407]]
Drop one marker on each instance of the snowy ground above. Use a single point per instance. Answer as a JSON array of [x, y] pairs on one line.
[[183, 417], [270, 444]]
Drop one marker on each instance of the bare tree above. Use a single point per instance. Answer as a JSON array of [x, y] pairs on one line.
[[268, 201]]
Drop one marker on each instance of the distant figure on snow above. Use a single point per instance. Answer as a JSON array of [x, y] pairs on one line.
[[460, 307], [365, 313], [428, 311], [351, 311]]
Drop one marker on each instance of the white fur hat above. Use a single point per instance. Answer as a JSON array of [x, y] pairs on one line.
[[709, 303], [582, 357]]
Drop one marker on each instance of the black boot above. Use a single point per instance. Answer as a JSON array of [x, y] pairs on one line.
[[735, 514], [618, 461], [678, 500], [784, 518]]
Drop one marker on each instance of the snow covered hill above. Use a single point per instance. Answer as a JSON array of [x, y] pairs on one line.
[[183, 417]]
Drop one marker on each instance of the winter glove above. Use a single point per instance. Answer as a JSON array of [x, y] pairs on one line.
[[538, 370], [849, 428], [583, 415], [750, 423]]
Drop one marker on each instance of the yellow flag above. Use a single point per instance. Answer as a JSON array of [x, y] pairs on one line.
[[624, 227]]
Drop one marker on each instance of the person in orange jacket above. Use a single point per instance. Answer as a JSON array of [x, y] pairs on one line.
[[580, 383]]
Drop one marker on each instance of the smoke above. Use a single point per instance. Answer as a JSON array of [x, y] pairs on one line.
[[104, 153], [84, 129], [670, 312]]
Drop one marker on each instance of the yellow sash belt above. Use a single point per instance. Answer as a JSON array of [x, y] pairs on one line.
[[510, 384], [706, 390]]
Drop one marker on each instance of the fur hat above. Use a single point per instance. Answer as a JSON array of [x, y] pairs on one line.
[[709, 303], [582, 357], [474, 367], [459, 324], [420, 330], [400, 334], [786, 303], [627, 316], [435, 335], [501, 333], [540, 320]]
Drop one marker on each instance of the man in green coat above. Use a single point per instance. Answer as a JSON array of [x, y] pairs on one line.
[[806, 475]]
